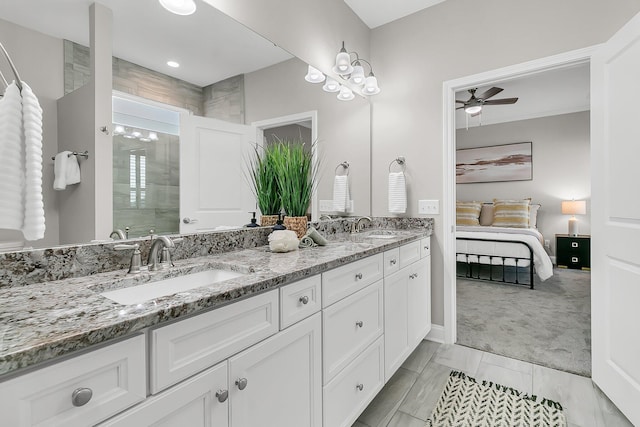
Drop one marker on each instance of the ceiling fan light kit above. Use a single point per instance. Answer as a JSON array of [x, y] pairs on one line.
[[349, 70]]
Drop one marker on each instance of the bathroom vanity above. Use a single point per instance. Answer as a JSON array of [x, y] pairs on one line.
[[306, 338]]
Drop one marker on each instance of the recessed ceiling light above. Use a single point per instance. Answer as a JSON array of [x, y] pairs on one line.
[[179, 7], [173, 64]]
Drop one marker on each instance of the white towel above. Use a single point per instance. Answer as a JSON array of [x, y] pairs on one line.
[[66, 170], [341, 199], [397, 193], [12, 179], [34, 226]]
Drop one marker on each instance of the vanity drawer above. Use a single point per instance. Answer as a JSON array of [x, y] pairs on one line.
[[346, 396], [189, 346], [349, 326], [299, 300], [113, 376], [425, 247], [391, 261], [343, 281], [409, 253]]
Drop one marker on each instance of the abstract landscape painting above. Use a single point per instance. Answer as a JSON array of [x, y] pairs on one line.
[[509, 162]]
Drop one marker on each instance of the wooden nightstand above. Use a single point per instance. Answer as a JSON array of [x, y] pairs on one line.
[[573, 251]]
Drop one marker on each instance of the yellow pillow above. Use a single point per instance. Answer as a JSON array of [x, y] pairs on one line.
[[467, 213], [511, 213]]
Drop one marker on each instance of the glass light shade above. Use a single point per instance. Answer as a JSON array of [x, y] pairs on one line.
[[345, 94], [371, 86], [136, 133], [153, 136], [574, 207], [173, 64], [314, 75], [118, 130], [357, 76], [330, 85], [343, 64], [179, 7], [473, 109]]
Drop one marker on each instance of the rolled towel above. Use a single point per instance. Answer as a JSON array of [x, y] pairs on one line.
[[12, 173], [397, 193], [60, 170], [341, 197], [307, 242], [316, 236]]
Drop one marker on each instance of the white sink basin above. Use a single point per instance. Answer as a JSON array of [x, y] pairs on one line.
[[381, 236], [148, 291]]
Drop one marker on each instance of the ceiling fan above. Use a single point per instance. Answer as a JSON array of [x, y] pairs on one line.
[[473, 106]]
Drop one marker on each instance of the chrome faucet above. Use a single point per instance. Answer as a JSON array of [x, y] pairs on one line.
[[358, 224], [119, 234], [135, 264], [324, 216], [166, 244]]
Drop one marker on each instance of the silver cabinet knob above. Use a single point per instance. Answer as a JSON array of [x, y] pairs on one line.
[[359, 323], [222, 395], [81, 396], [304, 299], [426, 248], [188, 220], [393, 262], [358, 276], [360, 387], [241, 383]]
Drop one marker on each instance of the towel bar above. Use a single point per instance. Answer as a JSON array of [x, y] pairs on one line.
[[75, 153], [345, 165], [401, 161]]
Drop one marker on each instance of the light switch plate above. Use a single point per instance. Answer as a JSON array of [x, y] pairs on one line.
[[429, 207]]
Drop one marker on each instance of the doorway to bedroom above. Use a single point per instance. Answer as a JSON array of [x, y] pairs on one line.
[[518, 161]]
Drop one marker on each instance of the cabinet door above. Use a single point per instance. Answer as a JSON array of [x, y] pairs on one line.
[[201, 401], [277, 382], [396, 336], [419, 301]]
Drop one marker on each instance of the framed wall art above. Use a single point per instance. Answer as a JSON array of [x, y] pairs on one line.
[[495, 163]]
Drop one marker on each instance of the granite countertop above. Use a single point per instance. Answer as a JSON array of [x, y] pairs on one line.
[[42, 321]]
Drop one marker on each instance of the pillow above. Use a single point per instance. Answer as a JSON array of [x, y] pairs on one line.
[[533, 216], [511, 213], [486, 214], [467, 213]]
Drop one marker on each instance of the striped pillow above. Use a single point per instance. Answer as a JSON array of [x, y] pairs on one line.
[[467, 213], [511, 213]]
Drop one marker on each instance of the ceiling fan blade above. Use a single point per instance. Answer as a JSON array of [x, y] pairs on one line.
[[461, 102], [491, 92], [460, 108], [501, 101]]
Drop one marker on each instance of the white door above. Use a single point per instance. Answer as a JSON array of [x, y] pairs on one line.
[[615, 219], [213, 187]]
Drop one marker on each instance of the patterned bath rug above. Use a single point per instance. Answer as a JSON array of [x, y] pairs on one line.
[[468, 403]]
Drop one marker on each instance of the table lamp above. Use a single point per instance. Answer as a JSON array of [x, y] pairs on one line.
[[573, 208]]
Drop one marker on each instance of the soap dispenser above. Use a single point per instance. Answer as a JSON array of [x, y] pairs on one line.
[[254, 221], [279, 225]]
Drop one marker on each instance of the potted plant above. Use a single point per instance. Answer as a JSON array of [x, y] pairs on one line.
[[263, 183], [297, 177]]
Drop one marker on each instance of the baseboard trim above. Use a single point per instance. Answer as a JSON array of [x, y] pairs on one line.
[[436, 334]]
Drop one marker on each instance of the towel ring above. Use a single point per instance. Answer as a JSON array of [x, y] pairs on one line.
[[345, 165], [401, 161]]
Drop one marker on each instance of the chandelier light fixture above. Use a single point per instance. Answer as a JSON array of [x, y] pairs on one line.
[[350, 70]]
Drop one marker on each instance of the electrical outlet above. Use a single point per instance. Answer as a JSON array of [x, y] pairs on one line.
[[429, 207]]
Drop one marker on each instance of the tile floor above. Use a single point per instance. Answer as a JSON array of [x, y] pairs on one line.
[[411, 394]]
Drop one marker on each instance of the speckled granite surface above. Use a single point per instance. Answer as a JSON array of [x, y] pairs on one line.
[[44, 320]]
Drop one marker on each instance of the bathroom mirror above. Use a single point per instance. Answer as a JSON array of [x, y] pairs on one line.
[[276, 90]]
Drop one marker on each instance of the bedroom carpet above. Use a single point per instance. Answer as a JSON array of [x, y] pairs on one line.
[[549, 325]]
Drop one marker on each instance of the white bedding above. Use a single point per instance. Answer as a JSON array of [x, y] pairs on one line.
[[531, 236]]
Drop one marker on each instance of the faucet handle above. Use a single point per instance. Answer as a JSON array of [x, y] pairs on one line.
[[136, 260], [177, 240], [123, 247]]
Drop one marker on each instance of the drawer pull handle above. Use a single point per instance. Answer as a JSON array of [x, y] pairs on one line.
[[359, 276], [574, 244], [360, 387], [304, 299], [574, 259], [359, 323], [81, 396], [393, 262], [222, 395], [241, 383]]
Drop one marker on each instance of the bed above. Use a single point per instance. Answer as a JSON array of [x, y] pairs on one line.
[[501, 254]]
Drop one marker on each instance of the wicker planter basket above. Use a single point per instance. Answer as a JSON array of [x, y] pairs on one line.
[[297, 224], [268, 220]]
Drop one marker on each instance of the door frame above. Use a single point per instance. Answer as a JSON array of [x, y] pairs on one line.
[[449, 89], [291, 119]]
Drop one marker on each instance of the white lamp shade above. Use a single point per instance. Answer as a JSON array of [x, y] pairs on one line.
[[371, 86], [343, 64], [314, 75], [357, 76], [345, 94], [179, 7], [574, 207], [330, 85]]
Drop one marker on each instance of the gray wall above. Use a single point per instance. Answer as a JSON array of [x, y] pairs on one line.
[[561, 168], [39, 61]]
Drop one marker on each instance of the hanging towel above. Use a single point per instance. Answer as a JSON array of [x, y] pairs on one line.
[[11, 158], [341, 199], [397, 193], [66, 170], [34, 226]]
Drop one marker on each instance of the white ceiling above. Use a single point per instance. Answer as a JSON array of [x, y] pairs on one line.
[[209, 45], [379, 12]]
